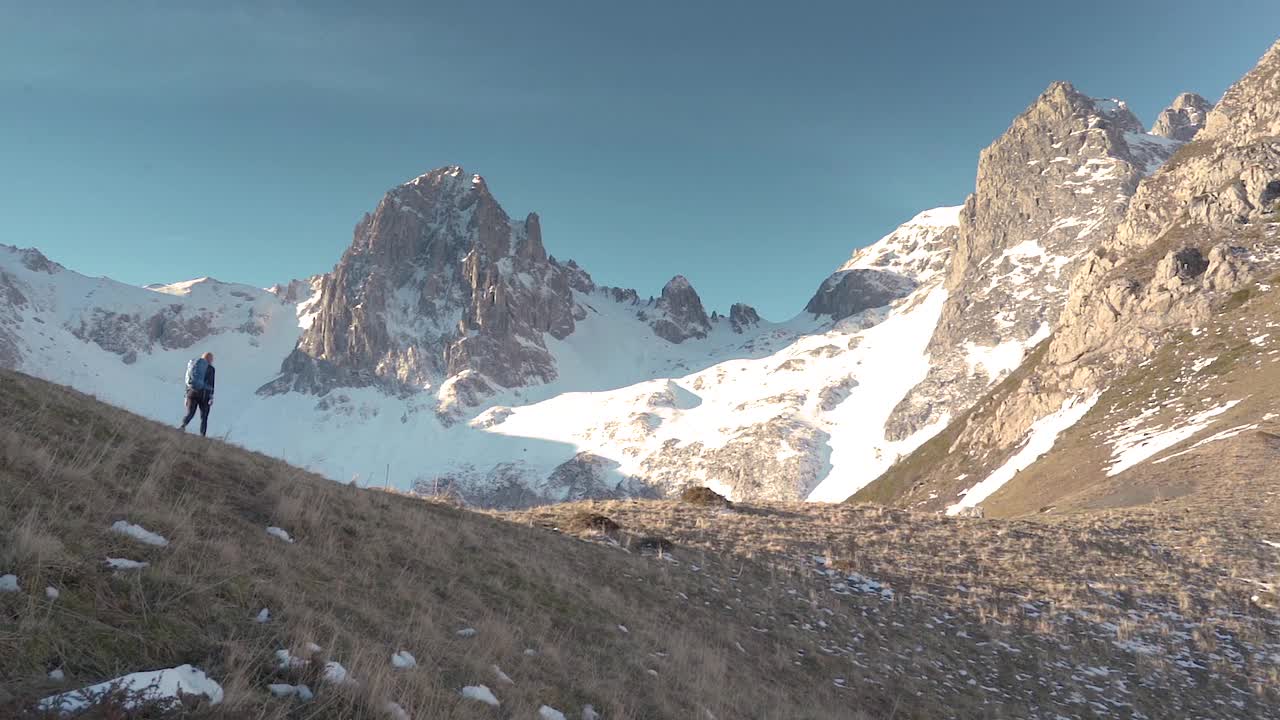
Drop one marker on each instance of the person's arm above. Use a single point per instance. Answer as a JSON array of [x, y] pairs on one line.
[[213, 375]]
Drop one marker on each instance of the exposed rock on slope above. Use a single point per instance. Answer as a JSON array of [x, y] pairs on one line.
[[919, 249], [743, 317], [1183, 259], [849, 292], [1046, 191]]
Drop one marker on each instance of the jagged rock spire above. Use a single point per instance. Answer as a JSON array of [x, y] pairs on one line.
[[680, 312], [439, 283], [1183, 118]]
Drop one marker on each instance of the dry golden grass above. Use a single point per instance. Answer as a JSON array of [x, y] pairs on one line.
[[766, 611], [1167, 610], [370, 573]]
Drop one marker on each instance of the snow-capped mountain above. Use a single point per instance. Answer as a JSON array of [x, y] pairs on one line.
[[448, 351], [1164, 354]]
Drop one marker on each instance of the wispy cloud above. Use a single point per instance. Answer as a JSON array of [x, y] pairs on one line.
[[153, 48]]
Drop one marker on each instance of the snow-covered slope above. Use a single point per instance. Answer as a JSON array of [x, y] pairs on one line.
[[128, 345], [759, 409]]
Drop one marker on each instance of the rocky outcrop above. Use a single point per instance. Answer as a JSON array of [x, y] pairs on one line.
[[743, 317], [919, 249], [439, 283], [296, 291], [590, 477], [849, 292], [128, 334], [12, 302], [1047, 190], [1183, 119], [678, 313], [749, 464]]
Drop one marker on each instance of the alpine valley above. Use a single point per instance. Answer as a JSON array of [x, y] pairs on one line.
[[1102, 306]]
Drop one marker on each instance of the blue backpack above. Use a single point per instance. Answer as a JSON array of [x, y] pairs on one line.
[[196, 371]]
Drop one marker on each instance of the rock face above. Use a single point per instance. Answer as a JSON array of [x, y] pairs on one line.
[[1047, 190], [442, 292], [439, 283], [1183, 119], [919, 249], [591, 477], [1193, 235], [679, 313], [849, 292], [743, 317], [914, 254]]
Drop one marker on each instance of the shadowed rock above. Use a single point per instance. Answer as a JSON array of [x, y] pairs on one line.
[[849, 292], [680, 314]]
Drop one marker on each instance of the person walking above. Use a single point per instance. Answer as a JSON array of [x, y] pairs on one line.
[[200, 378]]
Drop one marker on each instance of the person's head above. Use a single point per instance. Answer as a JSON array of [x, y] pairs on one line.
[[208, 357]]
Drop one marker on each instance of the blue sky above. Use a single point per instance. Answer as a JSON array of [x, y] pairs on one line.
[[749, 146]]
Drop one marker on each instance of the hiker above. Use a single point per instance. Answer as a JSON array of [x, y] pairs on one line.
[[199, 390]]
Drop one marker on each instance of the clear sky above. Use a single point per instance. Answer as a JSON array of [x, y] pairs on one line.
[[750, 146]]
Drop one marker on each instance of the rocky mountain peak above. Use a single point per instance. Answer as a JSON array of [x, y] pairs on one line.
[[1062, 102], [1050, 188], [1250, 108], [1161, 291], [1183, 118], [438, 284], [680, 312]]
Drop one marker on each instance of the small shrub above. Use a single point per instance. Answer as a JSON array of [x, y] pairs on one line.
[[653, 543], [700, 495], [584, 521]]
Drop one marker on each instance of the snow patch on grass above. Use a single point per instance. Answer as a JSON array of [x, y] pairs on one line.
[[480, 693], [279, 533], [157, 686], [1225, 434], [1136, 446], [288, 661], [285, 690], [1040, 439], [336, 674], [139, 533]]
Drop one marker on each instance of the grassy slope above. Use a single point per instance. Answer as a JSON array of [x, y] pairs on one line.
[[1073, 476], [370, 573], [1096, 614], [750, 615]]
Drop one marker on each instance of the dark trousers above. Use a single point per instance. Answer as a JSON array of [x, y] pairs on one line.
[[198, 401]]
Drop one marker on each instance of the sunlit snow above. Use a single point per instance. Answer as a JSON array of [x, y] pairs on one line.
[[1040, 439]]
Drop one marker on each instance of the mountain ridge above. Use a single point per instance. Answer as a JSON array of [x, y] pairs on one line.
[[520, 381]]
